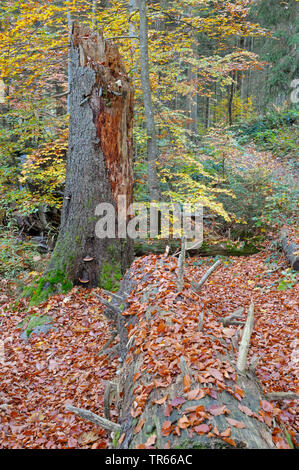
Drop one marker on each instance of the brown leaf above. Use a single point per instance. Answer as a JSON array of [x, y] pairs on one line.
[[245, 410], [184, 422], [139, 426], [234, 422], [187, 383], [166, 428], [202, 428], [161, 400]]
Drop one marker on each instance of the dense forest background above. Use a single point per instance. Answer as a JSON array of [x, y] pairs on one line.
[[215, 120], [213, 65]]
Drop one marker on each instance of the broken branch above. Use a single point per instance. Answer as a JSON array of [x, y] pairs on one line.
[[90, 416], [198, 285], [244, 345]]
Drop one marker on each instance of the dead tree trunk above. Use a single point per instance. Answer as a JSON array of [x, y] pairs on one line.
[[99, 166], [180, 385], [291, 250]]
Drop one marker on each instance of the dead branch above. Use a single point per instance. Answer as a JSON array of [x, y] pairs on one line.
[[90, 416], [244, 345], [111, 391], [116, 311], [181, 265], [279, 396], [230, 319], [107, 344], [200, 321], [197, 286]]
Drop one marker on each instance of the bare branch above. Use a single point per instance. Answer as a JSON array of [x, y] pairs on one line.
[[198, 285], [90, 416], [244, 345]]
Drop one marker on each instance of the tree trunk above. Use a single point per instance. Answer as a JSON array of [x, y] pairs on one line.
[[179, 374], [291, 250], [99, 166], [152, 149]]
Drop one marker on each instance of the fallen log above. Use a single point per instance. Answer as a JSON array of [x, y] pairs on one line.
[[179, 385], [291, 250], [143, 247]]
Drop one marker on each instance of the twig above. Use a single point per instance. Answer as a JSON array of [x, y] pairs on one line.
[[244, 345], [278, 396], [198, 285], [60, 95], [90, 416], [200, 321], [181, 265]]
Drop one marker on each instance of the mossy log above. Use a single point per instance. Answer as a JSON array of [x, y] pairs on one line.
[[291, 250], [144, 247], [148, 375]]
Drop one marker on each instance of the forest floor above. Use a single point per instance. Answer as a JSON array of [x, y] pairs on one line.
[[41, 375]]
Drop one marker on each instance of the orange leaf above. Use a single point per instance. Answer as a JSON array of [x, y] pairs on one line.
[[229, 441], [234, 422], [151, 440], [229, 332], [187, 383], [139, 426], [166, 428], [184, 422], [161, 401]]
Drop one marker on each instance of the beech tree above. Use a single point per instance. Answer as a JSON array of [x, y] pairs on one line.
[[99, 165]]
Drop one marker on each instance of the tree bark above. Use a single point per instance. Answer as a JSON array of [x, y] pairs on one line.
[[291, 250], [149, 375], [152, 148], [99, 166]]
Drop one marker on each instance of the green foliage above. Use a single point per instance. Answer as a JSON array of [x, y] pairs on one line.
[[16, 255], [277, 131], [288, 281], [110, 276], [35, 321], [52, 283]]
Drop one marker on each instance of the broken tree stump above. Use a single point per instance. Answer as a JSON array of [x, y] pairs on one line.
[[99, 165], [291, 250]]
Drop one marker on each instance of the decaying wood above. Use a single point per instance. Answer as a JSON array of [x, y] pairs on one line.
[[136, 375], [231, 319], [291, 250], [244, 346], [200, 321], [280, 396], [197, 286], [98, 420], [114, 309], [181, 265], [111, 392], [107, 344], [100, 159], [255, 434]]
